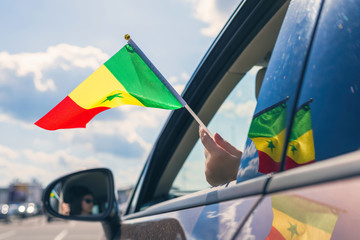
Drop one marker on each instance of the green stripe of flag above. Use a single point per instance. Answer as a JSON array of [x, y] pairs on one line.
[[306, 211], [270, 123], [139, 80], [302, 123]]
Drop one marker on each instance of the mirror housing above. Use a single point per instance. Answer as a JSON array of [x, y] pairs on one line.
[[95, 187]]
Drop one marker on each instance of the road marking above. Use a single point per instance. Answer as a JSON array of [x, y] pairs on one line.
[[61, 235], [7, 234]]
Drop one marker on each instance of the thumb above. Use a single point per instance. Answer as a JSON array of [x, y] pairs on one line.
[[227, 146]]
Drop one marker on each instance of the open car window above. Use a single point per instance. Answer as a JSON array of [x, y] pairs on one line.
[[231, 121], [235, 98]]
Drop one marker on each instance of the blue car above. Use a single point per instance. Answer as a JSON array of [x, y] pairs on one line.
[[282, 83]]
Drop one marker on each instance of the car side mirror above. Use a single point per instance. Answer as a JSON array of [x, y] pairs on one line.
[[85, 195]]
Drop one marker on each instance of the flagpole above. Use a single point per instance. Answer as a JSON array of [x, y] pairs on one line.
[[166, 83]]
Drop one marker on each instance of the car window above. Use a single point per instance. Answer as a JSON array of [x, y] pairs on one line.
[[327, 120], [232, 122]]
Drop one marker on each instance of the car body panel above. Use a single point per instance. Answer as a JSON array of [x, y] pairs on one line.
[[221, 209], [333, 204], [214, 221]]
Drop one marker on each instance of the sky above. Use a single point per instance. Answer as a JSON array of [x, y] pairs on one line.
[[47, 48]]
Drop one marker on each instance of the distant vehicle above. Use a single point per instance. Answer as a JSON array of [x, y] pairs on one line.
[[24, 199], [294, 67], [9, 211], [28, 209], [4, 212]]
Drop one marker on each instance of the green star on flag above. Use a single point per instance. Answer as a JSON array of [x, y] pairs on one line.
[[293, 149], [301, 139], [293, 230], [111, 97], [271, 145]]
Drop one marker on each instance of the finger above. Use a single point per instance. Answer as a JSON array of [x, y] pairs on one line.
[[227, 146], [207, 154], [207, 141]]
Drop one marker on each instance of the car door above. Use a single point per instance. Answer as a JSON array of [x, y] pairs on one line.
[[157, 208], [317, 194]]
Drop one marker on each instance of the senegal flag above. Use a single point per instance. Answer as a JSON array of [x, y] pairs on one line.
[[267, 131], [301, 148], [126, 78], [300, 218]]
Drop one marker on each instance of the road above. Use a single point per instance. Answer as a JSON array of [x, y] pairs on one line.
[[37, 228]]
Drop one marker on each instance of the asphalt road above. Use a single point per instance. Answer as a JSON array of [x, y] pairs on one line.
[[37, 228]]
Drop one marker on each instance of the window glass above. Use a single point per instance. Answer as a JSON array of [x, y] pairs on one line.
[[265, 145], [232, 122], [329, 125]]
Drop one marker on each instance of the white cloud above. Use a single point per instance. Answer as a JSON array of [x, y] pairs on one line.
[[228, 108], [14, 121], [246, 231], [173, 80], [185, 77], [10, 170], [7, 152], [127, 176], [41, 165], [179, 88], [251, 170], [129, 127], [228, 219], [243, 110], [208, 12], [179, 83], [64, 56], [250, 151]]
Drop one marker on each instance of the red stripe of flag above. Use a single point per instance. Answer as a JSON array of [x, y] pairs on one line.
[[63, 115], [267, 164], [274, 235], [290, 163]]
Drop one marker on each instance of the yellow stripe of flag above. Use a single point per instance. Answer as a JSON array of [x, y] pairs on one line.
[[302, 149], [293, 229], [102, 89], [271, 146]]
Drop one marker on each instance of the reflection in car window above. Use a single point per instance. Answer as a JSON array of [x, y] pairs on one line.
[[267, 132], [232, 121], [300, 149], [332, 80], [282, 81]]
